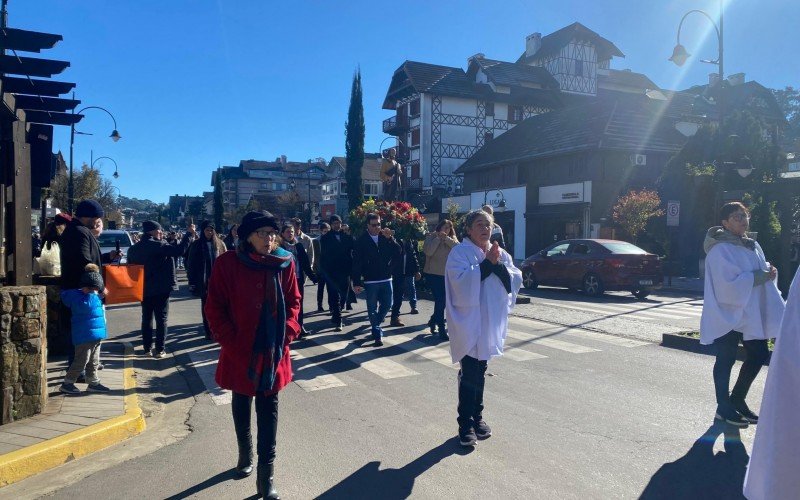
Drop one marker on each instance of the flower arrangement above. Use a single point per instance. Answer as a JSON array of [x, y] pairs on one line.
[[400, 216]]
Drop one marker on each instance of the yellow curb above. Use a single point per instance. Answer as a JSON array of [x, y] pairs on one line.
[[20, 464]]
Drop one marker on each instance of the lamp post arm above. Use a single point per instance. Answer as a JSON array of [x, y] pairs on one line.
[[102, 109], [116, 167]]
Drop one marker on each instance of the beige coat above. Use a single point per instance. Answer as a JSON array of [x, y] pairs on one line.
[[436, 250]]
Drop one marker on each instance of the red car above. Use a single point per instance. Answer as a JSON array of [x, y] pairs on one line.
[[594, 266]]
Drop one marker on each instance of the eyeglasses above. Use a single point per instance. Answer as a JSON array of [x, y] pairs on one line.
[[265, 233], [740, 217]]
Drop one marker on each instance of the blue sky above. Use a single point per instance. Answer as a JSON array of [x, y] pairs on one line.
[[198, 83]]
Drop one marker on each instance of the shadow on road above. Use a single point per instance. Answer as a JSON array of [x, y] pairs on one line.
[[371, 482], [702, 474], [208, 483]]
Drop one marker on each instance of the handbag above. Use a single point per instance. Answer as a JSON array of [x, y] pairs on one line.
[[125, 283]]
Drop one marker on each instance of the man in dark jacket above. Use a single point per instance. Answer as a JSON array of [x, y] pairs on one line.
[[78, 247], [405, 270], [324, 227], [336, 254], [374, 253], [156, 255]]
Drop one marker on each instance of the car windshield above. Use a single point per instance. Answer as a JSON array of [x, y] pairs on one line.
[[623, 248], [110, 240]]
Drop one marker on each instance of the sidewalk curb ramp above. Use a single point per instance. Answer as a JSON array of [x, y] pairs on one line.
[[20, 464]]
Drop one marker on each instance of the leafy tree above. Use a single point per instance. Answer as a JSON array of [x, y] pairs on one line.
[[354, 144], [633, 210], [452, 215], [219, 208], [789, 101], [89, 184]]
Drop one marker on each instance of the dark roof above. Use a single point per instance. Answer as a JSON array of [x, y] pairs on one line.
[[417, 77], [620, 123], [554, 42], [371, 171], [515, 74], [627, 78]]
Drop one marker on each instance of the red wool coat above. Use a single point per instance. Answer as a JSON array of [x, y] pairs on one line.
[[233, 307]]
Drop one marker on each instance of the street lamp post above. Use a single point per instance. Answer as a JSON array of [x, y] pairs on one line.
[[116, 167], [114, 137]]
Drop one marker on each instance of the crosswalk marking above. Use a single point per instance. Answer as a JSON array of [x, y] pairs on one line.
[[370, 360], [311, 377], [436, 354], [600, 337], [205, 364], [621, 310], [515, 354], [551, 343]]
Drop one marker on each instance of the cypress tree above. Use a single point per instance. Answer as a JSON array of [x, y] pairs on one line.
[[354, 144], [219, 208]]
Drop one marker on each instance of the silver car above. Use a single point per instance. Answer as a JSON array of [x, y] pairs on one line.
[[110, 237]]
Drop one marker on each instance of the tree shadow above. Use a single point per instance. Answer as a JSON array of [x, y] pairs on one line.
[[702, 474], [388, 484]]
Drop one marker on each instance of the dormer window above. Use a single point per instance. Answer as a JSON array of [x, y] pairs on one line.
[[578, 67]]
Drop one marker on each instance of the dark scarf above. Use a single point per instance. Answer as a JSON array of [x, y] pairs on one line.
[[271, 331]]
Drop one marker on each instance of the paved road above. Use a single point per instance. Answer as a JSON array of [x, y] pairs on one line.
[[575, 413], [682, 311]]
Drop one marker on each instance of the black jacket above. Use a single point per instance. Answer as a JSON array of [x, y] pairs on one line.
[[198, 269], [374, 262], [159, 268], [336, 255], [407, 264], [302, 263], [78, 247]]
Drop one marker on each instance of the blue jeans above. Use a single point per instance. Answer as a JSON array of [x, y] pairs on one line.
[[411, 291], [379, 301], [436, 284]]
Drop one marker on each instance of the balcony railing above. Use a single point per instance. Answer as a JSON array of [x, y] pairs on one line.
[[395, 125]]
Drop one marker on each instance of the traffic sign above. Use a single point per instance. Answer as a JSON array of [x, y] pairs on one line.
[[673, 212]]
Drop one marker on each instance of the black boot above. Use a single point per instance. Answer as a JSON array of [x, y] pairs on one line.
[[266, 489], [432, 326], [244, 467]]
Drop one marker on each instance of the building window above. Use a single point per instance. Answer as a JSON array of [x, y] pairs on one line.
[[371, 189], [488, 136], [343, 188], [489, 109], [263, 185], [415, 137], [578, 67], [515, 114], [413, 108]]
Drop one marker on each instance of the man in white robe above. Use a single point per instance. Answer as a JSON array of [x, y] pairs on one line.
[[774, 470], [481, 285]]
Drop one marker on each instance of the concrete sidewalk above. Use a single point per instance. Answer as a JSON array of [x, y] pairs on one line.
[[74, 426]]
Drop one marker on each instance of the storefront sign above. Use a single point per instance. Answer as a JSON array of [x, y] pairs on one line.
[[580, 192]]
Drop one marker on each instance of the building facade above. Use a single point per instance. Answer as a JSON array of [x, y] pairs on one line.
[[334, 188]]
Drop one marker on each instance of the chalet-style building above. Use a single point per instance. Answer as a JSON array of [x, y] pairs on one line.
[[334, 188]]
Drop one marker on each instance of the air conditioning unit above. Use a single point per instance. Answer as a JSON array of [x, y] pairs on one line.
[[638, 160]]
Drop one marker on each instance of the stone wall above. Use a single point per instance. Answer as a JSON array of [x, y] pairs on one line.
[[23, 352]]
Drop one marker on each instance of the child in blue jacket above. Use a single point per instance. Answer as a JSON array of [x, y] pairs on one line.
[[88, 329]]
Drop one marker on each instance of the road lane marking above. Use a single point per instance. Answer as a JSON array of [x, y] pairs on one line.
[[311, 377], [370, 359], [561, 345], [600, 337], [205, 364], [414, 346]]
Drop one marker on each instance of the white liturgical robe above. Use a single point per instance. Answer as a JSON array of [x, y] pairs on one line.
[[774, 470], [731, 302], [477, 310]]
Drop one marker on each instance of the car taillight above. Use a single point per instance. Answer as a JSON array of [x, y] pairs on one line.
[[615, 262]]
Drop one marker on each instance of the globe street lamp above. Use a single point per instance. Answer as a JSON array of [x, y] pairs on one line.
[[114, 137]]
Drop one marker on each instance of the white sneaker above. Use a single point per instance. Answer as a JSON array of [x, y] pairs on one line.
[[159, 354]]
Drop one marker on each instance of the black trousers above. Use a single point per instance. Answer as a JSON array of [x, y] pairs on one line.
[[154, 306], [727, 345], [398, 290], [302, 288], [266, 423], [321, 292], [471, 380], [338, 288]]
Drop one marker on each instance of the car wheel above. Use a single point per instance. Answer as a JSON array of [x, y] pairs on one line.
[[641, 294], [529, 280], [592, 285]]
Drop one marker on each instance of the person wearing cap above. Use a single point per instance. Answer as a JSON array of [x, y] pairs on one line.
[[336, 260], [201, 256], [156, 255], [77, 247], [252, 308], [88, 330]]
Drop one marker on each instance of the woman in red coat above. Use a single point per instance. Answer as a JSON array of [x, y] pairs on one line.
[[252, 308]]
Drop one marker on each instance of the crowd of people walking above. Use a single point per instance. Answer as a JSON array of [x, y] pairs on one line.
[[251, 285]]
